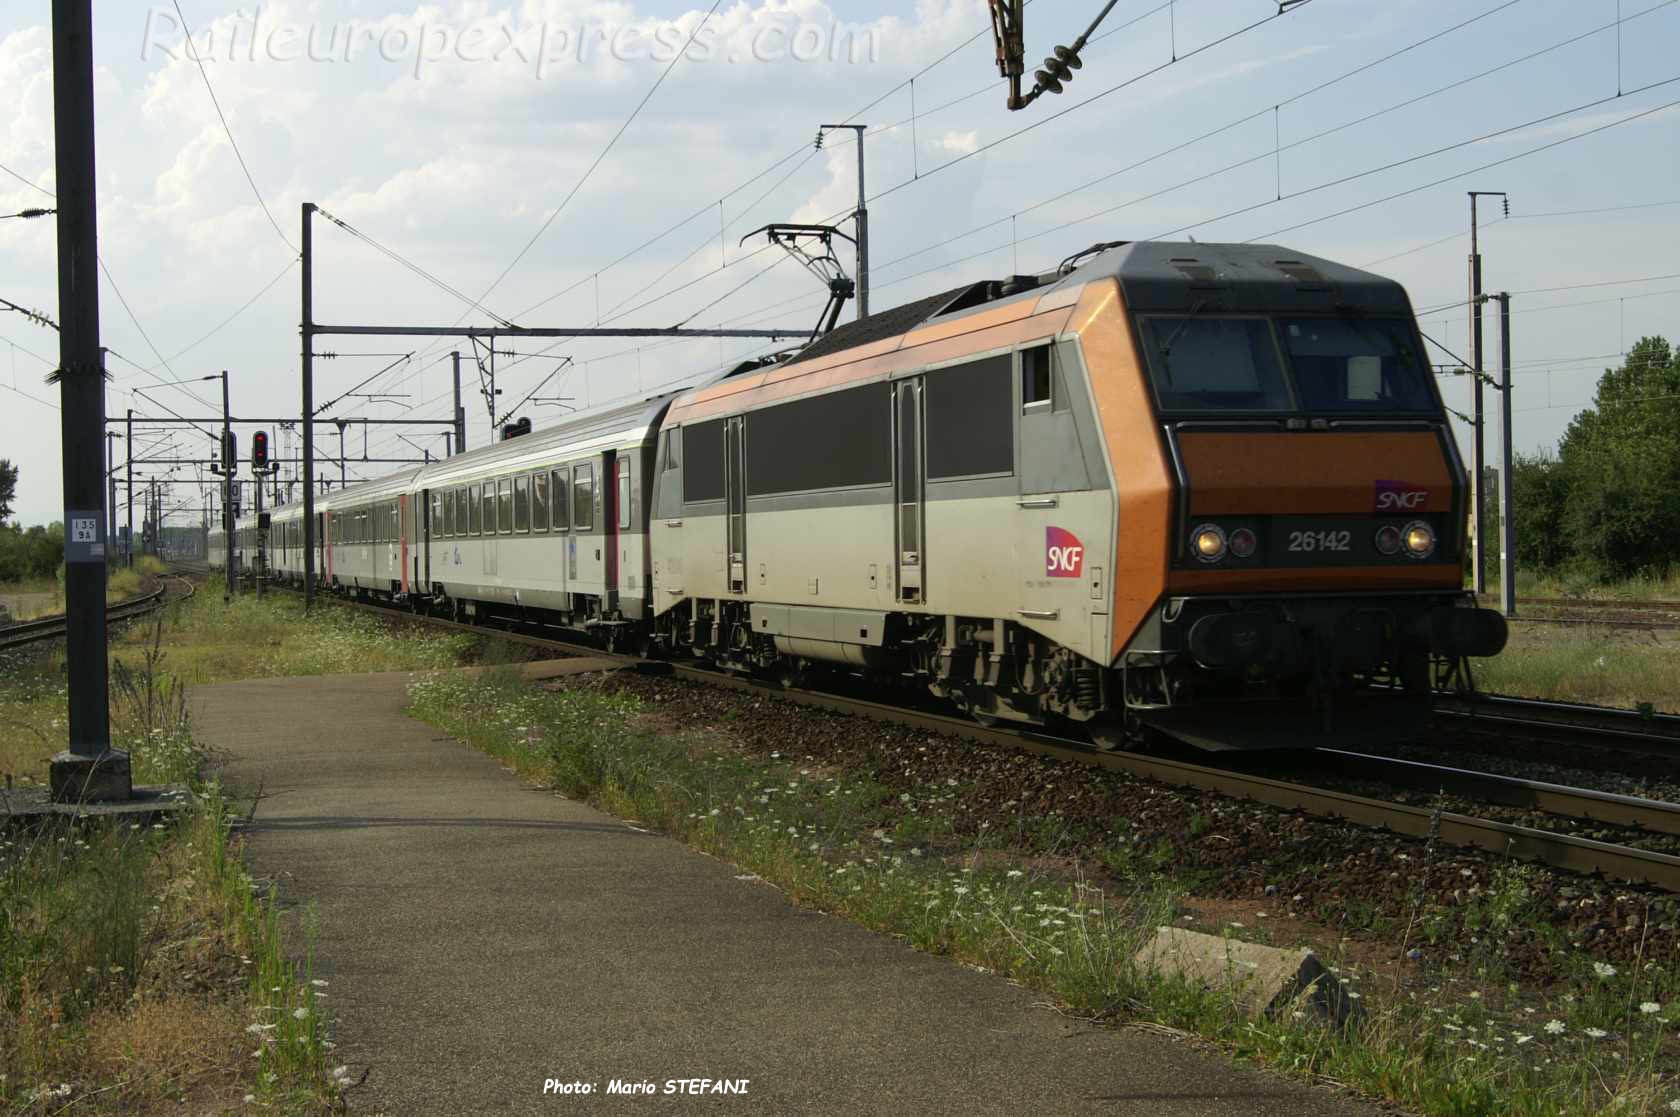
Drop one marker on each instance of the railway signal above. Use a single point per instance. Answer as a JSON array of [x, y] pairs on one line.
[[259, 451]]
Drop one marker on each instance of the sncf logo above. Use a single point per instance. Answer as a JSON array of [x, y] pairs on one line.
[[1064, 554], [1400, 496]]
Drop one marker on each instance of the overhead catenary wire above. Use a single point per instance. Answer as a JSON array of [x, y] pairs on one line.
[[192, 53]]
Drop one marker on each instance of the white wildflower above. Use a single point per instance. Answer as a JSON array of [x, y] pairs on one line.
[[1604, 969], [1554, 1027], [301, 1014], [1522, 1039], [1597, 1033], [1650, 1008]]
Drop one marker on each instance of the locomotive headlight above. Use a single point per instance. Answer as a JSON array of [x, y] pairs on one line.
[[1419, 538], [1208, 541], [1243, 543], [1388, 540]]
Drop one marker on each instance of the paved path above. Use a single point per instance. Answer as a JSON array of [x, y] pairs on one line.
[[481, 937]]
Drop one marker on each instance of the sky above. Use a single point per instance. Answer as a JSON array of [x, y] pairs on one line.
[[562, 163]]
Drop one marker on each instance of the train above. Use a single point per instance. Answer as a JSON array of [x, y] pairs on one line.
[[1201, 490]]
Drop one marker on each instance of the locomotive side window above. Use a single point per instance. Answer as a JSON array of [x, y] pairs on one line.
[[504, 507], [839, 440], [1215, 364], [668, 450], [1352, 365], [562, 499], [539, 502], [702, 456], [1036, 392], [522, 504], [623, 492], [971, 419]]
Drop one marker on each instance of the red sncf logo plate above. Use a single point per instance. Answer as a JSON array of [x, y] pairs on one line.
[[1399, 496], [1064, 554]]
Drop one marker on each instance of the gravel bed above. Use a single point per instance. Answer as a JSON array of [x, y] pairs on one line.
[[1347, 878]]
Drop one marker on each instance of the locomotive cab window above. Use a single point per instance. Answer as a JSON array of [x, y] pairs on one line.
[[1349, 364], [1199, 363], [669, 456]]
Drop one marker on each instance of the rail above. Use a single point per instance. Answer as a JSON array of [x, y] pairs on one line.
[[52, 628]]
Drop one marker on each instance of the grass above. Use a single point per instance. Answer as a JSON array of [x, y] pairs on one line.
[[1600, 667], [841, 841], [1651, 586], [140, 968], [207, 641], [121, 583]]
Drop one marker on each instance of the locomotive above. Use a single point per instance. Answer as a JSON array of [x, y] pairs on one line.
[[1204, 489]]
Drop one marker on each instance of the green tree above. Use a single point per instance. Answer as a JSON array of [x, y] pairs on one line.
[[8, 488], [1620, 459], [1539, 490]]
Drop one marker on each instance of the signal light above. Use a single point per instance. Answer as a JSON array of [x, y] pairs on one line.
[[1058, 68], [230, 451], [259, 450], [514, 430]]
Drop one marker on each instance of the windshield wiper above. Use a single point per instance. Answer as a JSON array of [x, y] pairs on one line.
[[1166, 348]]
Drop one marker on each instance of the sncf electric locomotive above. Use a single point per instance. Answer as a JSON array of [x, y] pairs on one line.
[[1208, 489]]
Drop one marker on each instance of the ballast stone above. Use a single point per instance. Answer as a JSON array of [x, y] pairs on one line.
[[1263, 980]]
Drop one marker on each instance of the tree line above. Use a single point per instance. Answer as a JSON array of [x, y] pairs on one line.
[[1606, 505], [25, 554]]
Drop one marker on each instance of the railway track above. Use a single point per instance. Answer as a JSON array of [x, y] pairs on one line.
[[1602, 727], [52, 628], [1560, 850], [1652, 616]]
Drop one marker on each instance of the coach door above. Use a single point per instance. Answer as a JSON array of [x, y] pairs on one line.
[[908, 487], [735, 503]]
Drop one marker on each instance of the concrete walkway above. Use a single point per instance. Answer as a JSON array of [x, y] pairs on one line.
[[481, 937]]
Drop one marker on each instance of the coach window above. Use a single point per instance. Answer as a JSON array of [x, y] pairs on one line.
[[539, 502], [623, 492], [522, 504], [971, 420], [437, 512], [504, 507], [489, 490], [583, 497], [451, 515], [562, 497]]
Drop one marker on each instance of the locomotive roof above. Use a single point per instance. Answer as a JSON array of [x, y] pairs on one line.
[[1156, 276], [1179, 275]]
